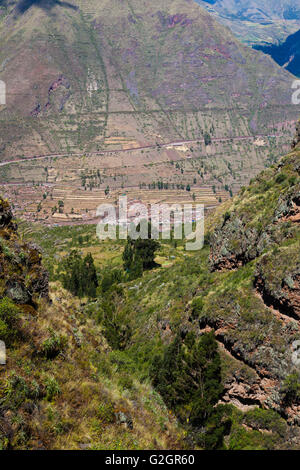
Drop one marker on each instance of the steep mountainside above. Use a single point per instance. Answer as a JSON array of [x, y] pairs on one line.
[[161, 90], [22, 277], [76, 70], [264, 246], [256, 21], [286, 54], [242, 289], [263, 11], [62, 386]]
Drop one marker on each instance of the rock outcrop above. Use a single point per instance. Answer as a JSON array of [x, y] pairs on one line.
[[277, 278], [260, 218], [22, 276], [256, 315]]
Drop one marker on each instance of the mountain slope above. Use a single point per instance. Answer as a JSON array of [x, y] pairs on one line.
[[242, 287], [74, 71], [159, 90], [257, 11], [255, 21], [287, 54], [62, 386]]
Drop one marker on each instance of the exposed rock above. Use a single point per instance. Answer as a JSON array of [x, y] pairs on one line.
[[22, 276], [6, 215], [232, 245], [242, 238], [17, 292], [297, 136], [289, 207], [245, 395], [282, 291], [124, 420]]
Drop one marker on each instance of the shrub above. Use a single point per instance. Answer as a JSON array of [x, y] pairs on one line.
[[53, 345], [125, 382], [17, 390], [106, 413], [9, 315], [52, 388], [197, 307], [78, 275], [290, 389], [265, 419], [110, 278], [280, 178], [188, 377], [139, 255]]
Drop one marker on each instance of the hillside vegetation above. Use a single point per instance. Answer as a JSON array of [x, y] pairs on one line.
[[196, 353]]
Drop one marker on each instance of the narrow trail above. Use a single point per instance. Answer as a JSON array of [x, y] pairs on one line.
[[132, 149]]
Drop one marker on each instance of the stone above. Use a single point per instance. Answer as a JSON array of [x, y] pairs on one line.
[[2, 353]]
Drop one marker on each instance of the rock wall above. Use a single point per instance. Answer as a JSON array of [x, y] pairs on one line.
[[22, 276]]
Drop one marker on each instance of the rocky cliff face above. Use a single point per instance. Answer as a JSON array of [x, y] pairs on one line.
[[256, 220], [256, 314], [22, 276]]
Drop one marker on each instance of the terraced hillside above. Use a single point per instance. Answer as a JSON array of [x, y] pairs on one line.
[[138, 91], [236, 300], [84, 75]]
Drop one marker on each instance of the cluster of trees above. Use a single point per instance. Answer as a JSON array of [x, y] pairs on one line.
[[188, 377], [78, 274], [165, 186], [139, 255], [92, 180], [116, 328]]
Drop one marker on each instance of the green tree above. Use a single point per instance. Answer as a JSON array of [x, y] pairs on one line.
[[89, 276], [139, 255], [188, 377], [207, 138], [78, 275]]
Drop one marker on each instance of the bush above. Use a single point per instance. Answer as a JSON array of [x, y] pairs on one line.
[[110, 278], [52, 388], [280, 178], [188, 377], [266, 420], [78, 275], [290, 389], [125, 382], [106, 413], [9, 315], [218, 425], [197, 307], [17, 390], [53, 345], [139, 255]]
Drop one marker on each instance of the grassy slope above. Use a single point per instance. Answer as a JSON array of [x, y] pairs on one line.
[[254, 340]]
